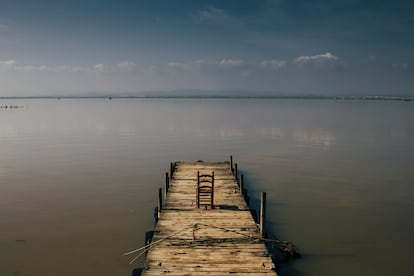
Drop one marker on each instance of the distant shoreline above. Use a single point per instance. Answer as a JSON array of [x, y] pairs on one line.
[[377, 98]]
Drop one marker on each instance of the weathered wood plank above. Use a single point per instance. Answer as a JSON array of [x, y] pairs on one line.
[[196, 241]]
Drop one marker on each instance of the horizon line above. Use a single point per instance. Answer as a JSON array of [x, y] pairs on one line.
[[310, 97]]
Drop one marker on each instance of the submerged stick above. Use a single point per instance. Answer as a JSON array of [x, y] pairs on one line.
[[139, 255], [148, 246]]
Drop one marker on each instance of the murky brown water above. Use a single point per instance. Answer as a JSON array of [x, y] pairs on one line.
[[78, 178]]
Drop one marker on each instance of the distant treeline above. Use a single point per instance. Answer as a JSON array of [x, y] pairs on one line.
[[378, 98], [384, 98], [10, 106]]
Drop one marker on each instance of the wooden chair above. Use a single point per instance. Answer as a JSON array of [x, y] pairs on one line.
[[205, 190]]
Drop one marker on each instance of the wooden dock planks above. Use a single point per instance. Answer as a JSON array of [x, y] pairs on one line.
[[203, 241]]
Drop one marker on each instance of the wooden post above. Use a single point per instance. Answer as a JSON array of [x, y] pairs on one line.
[[212, 190], [159, 202], [171, 170], [263, 215], [235, 171], [198, 190], [167, 183], [241, 186], [231, 163]]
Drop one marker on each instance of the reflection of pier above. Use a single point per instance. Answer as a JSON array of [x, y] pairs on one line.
[[205, 226]]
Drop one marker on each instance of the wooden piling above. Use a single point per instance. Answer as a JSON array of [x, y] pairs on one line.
[[198, 188], [212, 191], [263, 215], [171, 170], [159, 202], [231, 163], [167, 184], [235, 171]]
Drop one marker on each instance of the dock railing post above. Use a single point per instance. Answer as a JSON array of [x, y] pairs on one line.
[[241, 186], [171, 170], [212, 190], [167, 183], [159, 202], [235, 171], [198, 190], [231, 163], [263, 215]]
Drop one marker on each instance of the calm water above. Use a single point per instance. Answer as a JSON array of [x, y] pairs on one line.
[[79, 178]]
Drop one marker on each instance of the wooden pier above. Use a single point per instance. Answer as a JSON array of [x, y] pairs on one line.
[[204, 225]]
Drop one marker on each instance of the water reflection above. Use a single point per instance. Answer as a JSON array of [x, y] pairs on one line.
[[275, 132], [100, 128], [8, 131], [313, 137]]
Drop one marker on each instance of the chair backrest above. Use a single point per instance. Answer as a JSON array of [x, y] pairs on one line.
[[205, 190]]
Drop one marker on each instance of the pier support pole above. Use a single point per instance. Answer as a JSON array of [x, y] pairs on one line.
[[263, 215], [167, 183], [231, 163], [241, 186], [212, 191], [171, 170], [198, 190], [235, 171], [159, 202]]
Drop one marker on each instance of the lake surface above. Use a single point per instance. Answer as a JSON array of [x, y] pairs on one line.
[[79, 178]]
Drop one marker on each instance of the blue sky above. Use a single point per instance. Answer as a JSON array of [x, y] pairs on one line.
[[296, 47]]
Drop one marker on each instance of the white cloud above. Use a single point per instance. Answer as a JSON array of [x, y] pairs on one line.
[[203, 65], [121, 67], [316, 58], [327, 60], [231, 63], [202, 62], [7, 62], [13, 66], [179, 65], [48, 68], [273, 64], [238, 66], [317, 73], [100, 67], [7, 65], [126, 65]]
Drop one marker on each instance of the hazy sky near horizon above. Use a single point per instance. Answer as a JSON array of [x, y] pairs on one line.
[[71, 47]]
